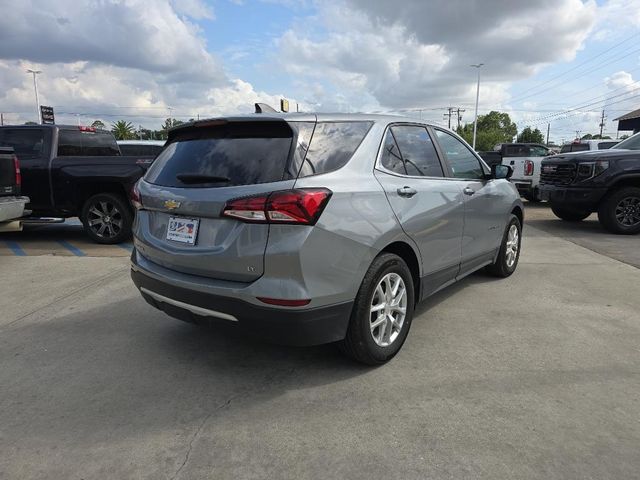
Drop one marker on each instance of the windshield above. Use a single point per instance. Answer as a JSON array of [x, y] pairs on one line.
[[631, 143]]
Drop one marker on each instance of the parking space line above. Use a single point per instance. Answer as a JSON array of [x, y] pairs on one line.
[[15, 248], [75, 250]]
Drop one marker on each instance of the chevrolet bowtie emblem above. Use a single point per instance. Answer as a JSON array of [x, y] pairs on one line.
[[171, 204]]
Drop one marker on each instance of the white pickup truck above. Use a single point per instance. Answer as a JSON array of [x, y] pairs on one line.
[[525, 159], [11, 203]]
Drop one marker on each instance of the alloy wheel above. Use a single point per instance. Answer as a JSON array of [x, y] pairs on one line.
[[628, 211], [104, 219], [511, 253], [388, 309]]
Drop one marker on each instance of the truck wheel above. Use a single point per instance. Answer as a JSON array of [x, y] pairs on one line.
[[509, 253], [569, 214], [382, 312], [107, 218], [620, 211]]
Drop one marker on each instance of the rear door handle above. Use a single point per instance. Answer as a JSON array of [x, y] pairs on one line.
[[407, 192], [469, 191]]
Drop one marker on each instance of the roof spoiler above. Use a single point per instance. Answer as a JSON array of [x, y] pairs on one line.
[[264, 108]]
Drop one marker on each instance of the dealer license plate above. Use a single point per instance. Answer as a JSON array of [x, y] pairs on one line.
[[183, 230]]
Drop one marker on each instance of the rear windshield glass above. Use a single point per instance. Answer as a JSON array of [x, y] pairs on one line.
[[517, 151], [631, 143], [74, 143], [225, 155], [26, 142], [606, 145], [574, 147]]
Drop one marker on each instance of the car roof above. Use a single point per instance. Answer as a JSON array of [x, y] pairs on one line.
[[308, 117]]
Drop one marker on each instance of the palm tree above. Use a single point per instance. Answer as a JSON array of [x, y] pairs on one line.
[[123, 130]]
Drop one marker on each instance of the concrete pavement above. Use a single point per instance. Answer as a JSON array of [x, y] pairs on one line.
[[536, 376]]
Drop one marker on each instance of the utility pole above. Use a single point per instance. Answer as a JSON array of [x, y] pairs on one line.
[[1, 119], [475, 119], [602, 123], [578, 134], [35, 88], [548, 129], [459, 111], [450, 112]]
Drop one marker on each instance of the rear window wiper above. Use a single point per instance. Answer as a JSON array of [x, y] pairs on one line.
[[194, 178]]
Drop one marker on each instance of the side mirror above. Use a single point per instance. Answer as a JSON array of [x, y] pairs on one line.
[[501, 171]]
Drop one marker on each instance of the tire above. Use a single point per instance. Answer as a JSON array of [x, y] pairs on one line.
[[509, 254], [569, 214], [620, 211], [107, 218], [375, 346]]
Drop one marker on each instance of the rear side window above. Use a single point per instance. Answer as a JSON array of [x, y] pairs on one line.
[[26, 142], [418, 155], [332, 145], [391, 158], [73, 143], [225, 155]]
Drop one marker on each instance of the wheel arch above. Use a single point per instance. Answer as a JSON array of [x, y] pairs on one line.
[[407, 253]]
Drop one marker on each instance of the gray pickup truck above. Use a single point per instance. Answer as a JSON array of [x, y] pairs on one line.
[[11, 202]]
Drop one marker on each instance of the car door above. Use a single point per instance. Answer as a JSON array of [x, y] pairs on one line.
[[484, 214], [429, 207]]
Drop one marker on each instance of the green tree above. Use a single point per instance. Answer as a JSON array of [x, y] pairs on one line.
[[588, 136], [531, 136], [123, 130], [98, 124], [493, 128]]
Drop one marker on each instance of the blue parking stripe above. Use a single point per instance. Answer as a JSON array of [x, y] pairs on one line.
[[15, 248], [75, 250], [128, 246]]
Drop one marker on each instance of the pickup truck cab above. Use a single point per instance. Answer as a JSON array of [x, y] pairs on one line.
[[525, 160], [70, 171], [604, 181], [11, 202]]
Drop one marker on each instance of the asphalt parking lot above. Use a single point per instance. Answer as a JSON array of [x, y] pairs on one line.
[[536, 376]]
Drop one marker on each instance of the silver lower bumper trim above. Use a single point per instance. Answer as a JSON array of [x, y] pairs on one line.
[[192, 308]]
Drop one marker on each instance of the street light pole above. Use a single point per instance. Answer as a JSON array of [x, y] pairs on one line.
[[35, 88], [475, 120]]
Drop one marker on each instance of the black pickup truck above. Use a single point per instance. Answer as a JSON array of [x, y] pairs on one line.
[[70, 171], [603, 181]]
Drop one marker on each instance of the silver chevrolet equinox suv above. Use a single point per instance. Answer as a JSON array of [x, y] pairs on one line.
[[309, 229]]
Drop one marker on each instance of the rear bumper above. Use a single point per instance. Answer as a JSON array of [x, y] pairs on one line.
[[12, 208], [287, 326], [584, 198], [523, 186]]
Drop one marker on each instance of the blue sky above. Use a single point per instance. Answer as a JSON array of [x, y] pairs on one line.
[[139, 60]]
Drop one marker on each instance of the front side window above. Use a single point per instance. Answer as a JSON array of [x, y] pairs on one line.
[[461, 160]]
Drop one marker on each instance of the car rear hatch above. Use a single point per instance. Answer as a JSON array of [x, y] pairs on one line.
[[9, 172], [204, 166]]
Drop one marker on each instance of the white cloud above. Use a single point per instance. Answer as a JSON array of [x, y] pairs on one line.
[[196, 9], [418, 53]]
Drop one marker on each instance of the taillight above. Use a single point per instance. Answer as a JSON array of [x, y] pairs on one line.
[[136, 199], [528, 168], [300, 206], [16, 166]]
